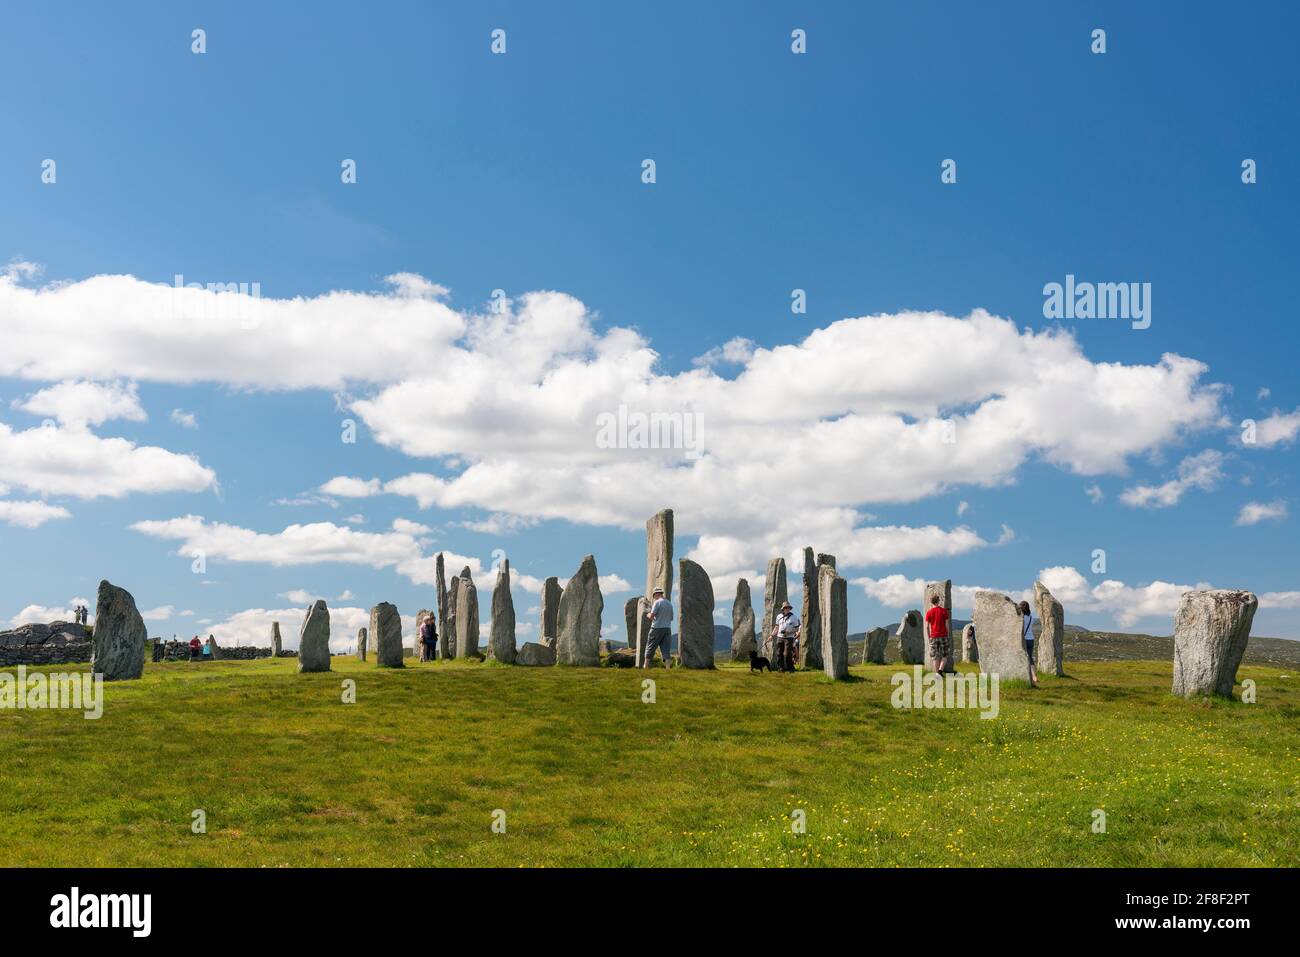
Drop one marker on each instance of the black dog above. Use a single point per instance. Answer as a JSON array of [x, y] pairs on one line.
[[757, 663]]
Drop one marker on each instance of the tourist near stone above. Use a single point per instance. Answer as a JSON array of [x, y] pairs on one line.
[[362, 635], [944, 590], [1049, 649], [579, 618], [501, 627], [810, 638], [534, 654], [873, 649], [743, 639], [275, 639], [467, 622], [1211, 631], [445, 627], [695, 617], [969, 647], [911, 639], [833, 603], [551, 594], [386, 627], [314, 639], [119, 636], [774, 596], [998, 626], [419, 652]]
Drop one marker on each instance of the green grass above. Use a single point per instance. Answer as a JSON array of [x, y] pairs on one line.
[[589, 775]]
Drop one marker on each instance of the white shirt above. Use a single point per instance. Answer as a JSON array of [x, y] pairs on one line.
[[661, 613], [787, 625]]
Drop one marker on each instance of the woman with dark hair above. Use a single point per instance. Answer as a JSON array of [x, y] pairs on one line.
[[1027, 637]]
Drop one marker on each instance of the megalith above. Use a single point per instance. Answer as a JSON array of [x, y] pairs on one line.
[[551, 594], [743, 640], [501, 628], [533, 654], [363, 635], [314, 639], [833, 604], [629, 620], [117, 650], [386, 627], [1211, 630], [774, 596], [911, 639], [695, 617], [998, 625], [810, 635], [214, 650], [445, 627], [578, 620], [659, 553], [944, 590], [275, 639], [873, 649], [970, 651], [1049, 649], [467, 623]]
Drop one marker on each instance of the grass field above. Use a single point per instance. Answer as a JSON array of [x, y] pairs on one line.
[[587, 774]]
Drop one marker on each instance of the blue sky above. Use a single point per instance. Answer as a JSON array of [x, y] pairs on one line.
[[522, 172]]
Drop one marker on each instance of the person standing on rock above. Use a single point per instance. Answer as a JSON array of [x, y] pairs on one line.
[[661, 628], [429, 638], [785, 638], [1027, 637], [940, 640]]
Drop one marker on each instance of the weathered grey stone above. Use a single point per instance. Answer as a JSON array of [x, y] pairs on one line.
[[873, 649], [467, 623], [579, 618], [620, 658], [629, 620], [275, 639], [1050, 646], [642, 629], [118, 650], [833, 604], [214, 650], [386, 627], [695, 617], [448, 638], [659, 553], [314, 639], [944, 590], [363, 636], [825, 559], [501, 629], [551, 594], [774, 596], [531, 653], [445, 628], [810, 637], [743, 639], [998, 627], [911, 639], [970, 650], [1211, 631]]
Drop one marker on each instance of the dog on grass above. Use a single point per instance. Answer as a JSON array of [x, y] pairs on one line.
[[758, 663]]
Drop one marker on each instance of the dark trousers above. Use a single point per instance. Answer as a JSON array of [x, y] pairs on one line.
[[786, 650], [431, 650]]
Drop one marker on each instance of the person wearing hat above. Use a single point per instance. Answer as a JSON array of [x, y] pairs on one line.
[[785, 631], [661, 628]]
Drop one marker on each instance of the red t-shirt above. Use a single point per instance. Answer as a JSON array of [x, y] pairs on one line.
[[937, 619]]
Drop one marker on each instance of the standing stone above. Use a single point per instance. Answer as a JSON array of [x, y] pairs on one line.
[[643, 633], [873, 649], [944, 590], [742, 623], [1050, 646], [629, 619], [695, 618], [314, 639], [1211, 630], [579, 619], [467, 623], [501, 630], [275, 639], [386, 626], [449, 635], [362, 636], [117, 651], [551, 594], [911, 639], [998, 627], [445, 628], [774, 596], [833, 603], [970, 650], [810, 635], [214, 650], [659, 553]]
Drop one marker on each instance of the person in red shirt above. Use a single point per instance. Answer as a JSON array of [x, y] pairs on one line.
[[195, 645], [936, 620]]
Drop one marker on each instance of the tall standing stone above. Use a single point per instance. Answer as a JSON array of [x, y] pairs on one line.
[[1050, 646], [363, 636], [743, 640], [448, 639], [643, 633], [629, 620], [873, 649], [467, 623], [774, 596], [386, 626], [970, 649], [501, 630], [810, 635], [1211, 631], [695, 618], [314, 639], [911, 639], [659, 553], [998, 627], [275, 639], [551, 594], [944, 590], [117, 651], [214, 650], [445, 628], [579, 619], [833, 603]]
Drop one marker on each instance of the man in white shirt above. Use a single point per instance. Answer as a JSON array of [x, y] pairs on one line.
[[785, 631], [661, 628]]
